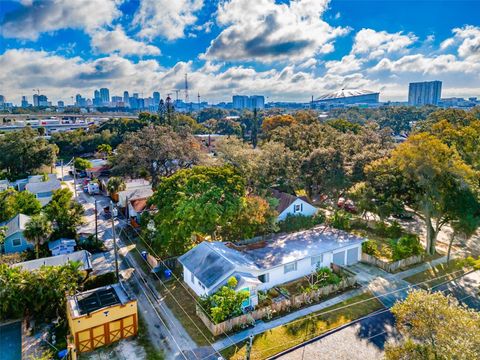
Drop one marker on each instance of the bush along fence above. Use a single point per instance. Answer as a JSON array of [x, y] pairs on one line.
[[393, 266], [285, 305]]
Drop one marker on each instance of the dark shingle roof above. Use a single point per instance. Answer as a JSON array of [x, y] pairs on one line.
[[284, 200]]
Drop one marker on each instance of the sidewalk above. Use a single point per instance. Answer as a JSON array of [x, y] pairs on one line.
[[420, 268], [262, 326]]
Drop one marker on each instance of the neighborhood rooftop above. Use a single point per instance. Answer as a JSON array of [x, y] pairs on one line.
[[96, 299], [81, 256], [209, 261], [283, 249], [16, 224]]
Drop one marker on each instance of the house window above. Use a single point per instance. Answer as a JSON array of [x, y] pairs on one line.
[[317, 260], [192, 278], [16, 242], [290, 267], [297, 208], [264, 278]]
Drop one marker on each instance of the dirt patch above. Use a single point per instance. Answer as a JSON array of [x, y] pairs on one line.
[[128, 349]]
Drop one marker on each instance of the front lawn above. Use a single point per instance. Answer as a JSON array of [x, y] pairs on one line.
[[441, 273], [178, 298], [286, 336]]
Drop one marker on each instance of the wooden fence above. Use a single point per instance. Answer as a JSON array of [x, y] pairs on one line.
[[266, 312], [394, 265]]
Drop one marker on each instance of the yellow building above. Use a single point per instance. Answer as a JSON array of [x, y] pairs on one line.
[[101, 316]]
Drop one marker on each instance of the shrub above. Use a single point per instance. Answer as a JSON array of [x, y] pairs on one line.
[[370, 247], [294, 223], [225, 303], [340, 220], [321, 277], [393, 231], [97, 281], [91, 245], [406, 246]]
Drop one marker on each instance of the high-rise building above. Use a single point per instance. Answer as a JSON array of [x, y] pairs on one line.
[[60, 104], [117, 101], [43, 100], [80, 101], [35, 100], [424, 93], [105, 96], [97, 101], [25, 103], [246, 102], [156, 97], [240, 101], [256, 102], [126, 99]]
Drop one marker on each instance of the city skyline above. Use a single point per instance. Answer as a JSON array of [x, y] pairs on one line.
[[285, 50]]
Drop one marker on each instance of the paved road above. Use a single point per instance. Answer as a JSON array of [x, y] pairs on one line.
[[365, 339], [362, 340], [164, 331]]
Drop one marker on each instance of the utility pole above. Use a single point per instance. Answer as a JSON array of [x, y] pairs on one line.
[[249, 347], [114, 242], [96, 222], [74, 179], [186, 89], [61, 166]]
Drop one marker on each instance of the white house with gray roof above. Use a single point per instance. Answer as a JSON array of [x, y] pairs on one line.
[[265, 264]]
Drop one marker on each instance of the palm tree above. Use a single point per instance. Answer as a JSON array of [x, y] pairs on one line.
[[105, 150], [114, 185], [37, 230]]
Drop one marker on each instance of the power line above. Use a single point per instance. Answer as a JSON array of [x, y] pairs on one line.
[[178, 280], [173, 297]]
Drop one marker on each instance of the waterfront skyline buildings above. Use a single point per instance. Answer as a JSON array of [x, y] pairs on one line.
[[424, 93], [240, 102]]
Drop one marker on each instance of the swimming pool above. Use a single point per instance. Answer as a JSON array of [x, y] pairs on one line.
[[11, 341]]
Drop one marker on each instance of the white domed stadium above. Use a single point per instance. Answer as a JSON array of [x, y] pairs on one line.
[[349, 97]]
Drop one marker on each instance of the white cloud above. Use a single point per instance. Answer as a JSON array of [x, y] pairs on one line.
[[167, 19], [470, 42], [347, 64], [116, 41], [374, 44], [421, 64], [264, 30], [38, 16]]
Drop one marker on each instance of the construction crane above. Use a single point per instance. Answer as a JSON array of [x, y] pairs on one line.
[[186, 88], [37, 90]]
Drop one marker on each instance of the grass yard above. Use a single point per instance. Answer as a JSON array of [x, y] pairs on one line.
[[196, 329], [286, 336], [440, 273]]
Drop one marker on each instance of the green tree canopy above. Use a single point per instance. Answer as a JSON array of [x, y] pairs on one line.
[[13, 202], [156, 151], [65, 213], [200, 200], [38, 230], [434, 327], [39, 293], [81, 164], [424, 174], [24, 153]]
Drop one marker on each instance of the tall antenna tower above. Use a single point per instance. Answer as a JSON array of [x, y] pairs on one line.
[[186, 88], [198, 98]]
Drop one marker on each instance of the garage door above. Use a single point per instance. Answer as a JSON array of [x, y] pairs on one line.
[[339, 258], [352, 256]]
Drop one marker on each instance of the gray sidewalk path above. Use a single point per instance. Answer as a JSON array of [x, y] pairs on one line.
[[420, 268], [262, 326]]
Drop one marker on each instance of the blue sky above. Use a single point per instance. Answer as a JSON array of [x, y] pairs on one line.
[[286, 50]]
